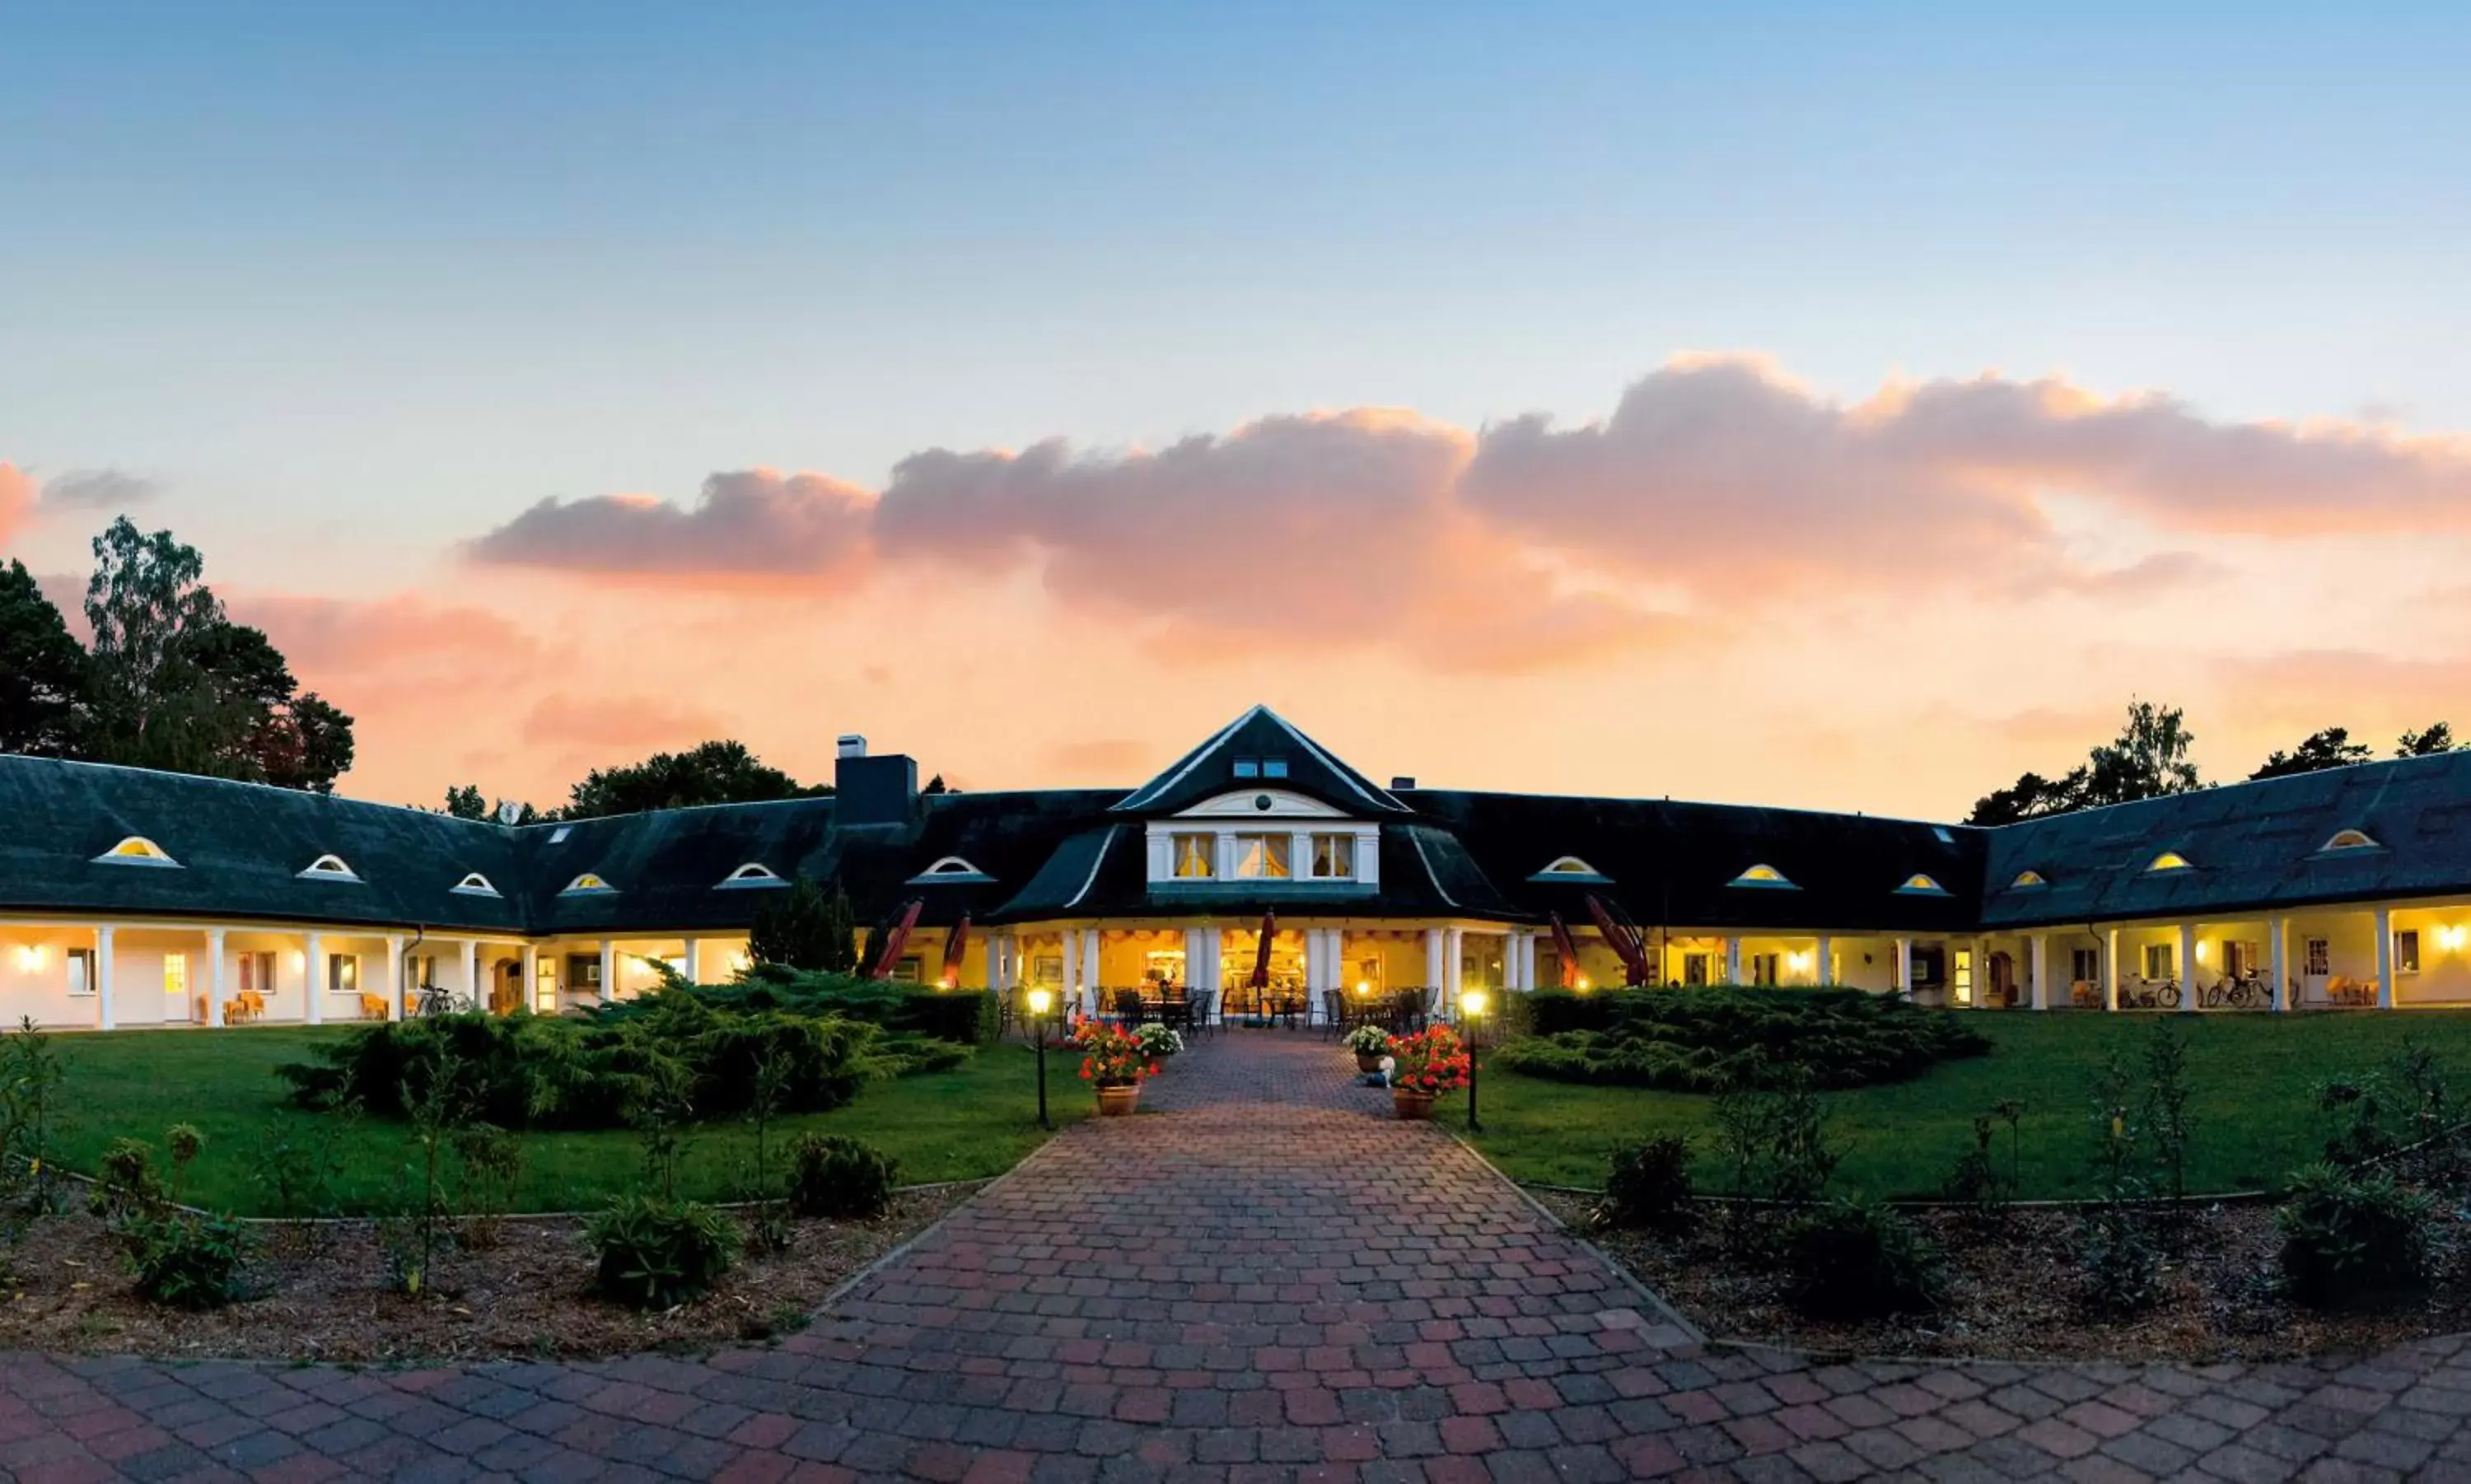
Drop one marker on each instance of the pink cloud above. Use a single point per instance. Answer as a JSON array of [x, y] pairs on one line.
[[616, 723], [16, 501], [748, 523]]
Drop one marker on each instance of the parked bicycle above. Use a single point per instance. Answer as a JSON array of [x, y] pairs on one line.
[[2241, 992], [433, 1001], [2151, 995]]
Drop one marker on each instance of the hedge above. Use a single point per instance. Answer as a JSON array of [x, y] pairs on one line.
[[1703, 1039], [964, 1017]]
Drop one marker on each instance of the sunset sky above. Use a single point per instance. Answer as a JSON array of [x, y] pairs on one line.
[[1753, 402]]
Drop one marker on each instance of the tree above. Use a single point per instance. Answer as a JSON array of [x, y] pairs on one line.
[[2029, 797], [2439, 737], [2330, 747], [42, 669], [464, 802], [716, 772], [805, 928], [2147, 760]]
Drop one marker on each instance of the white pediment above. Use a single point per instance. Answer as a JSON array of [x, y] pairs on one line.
[[1261, 804]]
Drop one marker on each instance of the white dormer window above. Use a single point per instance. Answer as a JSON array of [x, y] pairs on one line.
[[952, 869], [1920, 885], [474, 884], [754, 873], [2349, 840], [2169, 861], [1763, 876], [2027, 880], [136, 850], [328, 868], [588, 882], [1569, 868]]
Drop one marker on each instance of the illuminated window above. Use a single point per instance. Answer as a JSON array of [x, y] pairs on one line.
[[328, 868], [2349, 840], [1333, 858], [2169, 861], [2160, 957], [475, 884], [1919, 885], [2027, 880], [587, 882], [1262, 858], [1762, 876], [137, 850], [1196, 856], [81, 970], [2405, 951], [175, 976]]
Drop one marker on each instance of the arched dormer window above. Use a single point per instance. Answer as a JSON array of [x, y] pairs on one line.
[[136, 850], [2349, 840], [1763, 876], [474, 884], [588, 882], [1569, 868], [754, 873], [1920, 885], [2028, 880], [2169, 861], [950, 870], [328, 868]]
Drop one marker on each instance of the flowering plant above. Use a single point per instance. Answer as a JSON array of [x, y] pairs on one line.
[[1157, 1040], [1110, 1056], [1368, 1041], [1429, 1061]]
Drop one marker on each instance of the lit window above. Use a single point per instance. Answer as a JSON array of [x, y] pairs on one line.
[[2158, 960], [2349, 840], [475, 884], [1248, 767], [2027, 880], [1262, 858], [1333, 858], [1761, 876], [81, 970], [1196, 856], [587, 882], [2169, 861], [137, 850], [1274, 767], [1919, 885], [344, 973], [175, 976], [328, 868], [2405, 951]]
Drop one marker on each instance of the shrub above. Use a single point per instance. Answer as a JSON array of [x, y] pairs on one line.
[[127, 1185], [1702, 1040], [657, 1253], [2168, 1122], [1649, 1185], [2346, 1235], [835, 1175], [2360, 1110], [2119, 1264], [186, 1261], [1850, 1260]]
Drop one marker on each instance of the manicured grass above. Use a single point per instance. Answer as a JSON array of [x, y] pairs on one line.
[[978, 1120], [2253, 1075]]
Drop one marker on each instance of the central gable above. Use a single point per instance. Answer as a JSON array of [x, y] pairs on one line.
[[1261, 804], [1262, 752]]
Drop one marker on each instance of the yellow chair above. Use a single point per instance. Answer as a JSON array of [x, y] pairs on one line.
[[373, 1007]]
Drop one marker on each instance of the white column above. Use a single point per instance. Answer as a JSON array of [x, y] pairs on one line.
[[1732, 960], [1905, 967], [529, 997], [1090, 970], [1197, 954], [2278, 932], [104, 1017], [1433, 957], [1453, 959], [1214, 954], [1313, 975], [1822, 970], [313, 977], [395, 978], [471, 975], [215, 1014], [2037, 961], [695, 961], [2384, 958], [608, 970], [1510, 942], [2110, 972], [1067, 992], [2188, 967]]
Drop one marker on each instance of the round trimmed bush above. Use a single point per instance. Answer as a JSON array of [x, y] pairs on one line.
[[836, 1176]]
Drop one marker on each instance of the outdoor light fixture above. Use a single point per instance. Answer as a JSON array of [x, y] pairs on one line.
[[1799, 960], [1471, 1007], [2449, 937], [31, 957], [1040, 1001], [2201, 951], [1583, 983], [1365, 986]]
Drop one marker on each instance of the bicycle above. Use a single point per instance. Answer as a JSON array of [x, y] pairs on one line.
[[2153, 995], [434, 1001]]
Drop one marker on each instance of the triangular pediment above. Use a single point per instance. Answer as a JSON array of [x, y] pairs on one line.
[[1260, 752]]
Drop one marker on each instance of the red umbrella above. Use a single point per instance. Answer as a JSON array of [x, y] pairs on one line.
[[956, 947], [1565, 948], [1260, 978], [896, 940], [1633, 955]]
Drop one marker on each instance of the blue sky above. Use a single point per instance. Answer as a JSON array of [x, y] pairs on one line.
[[358, 283]]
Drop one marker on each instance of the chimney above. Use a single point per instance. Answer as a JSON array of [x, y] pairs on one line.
[[1402, 781], [873, 791]]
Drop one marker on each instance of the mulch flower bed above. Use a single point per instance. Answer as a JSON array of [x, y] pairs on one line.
[[321, 1294], [2010, 1292]]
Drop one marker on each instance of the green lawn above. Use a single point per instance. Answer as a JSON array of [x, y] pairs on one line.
[[978, 1120], [2253, 1077]]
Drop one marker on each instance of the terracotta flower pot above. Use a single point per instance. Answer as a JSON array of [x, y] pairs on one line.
[[1411, 1105], [1367, 1061], [1113, 1102]]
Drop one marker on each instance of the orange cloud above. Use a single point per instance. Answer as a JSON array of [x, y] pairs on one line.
[[752, 522], [16, 501]]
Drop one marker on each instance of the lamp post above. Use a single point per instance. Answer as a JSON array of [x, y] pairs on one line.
[[1471, 1003], [1041, 1001]]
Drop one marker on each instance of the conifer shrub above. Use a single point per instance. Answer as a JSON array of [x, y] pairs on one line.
[[843, 1178], [1649, 1185], [1706, 1040], [1852, 1260]]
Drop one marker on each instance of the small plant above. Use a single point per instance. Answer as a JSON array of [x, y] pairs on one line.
[[1368, 1041], [30, 1078], [2168, 1123], [836, 1176], [2360, 1106], [127, 1185], [1156, 1040], [1851, 1259], [2116, 1134], [489, 1165], [2119, 1264], [2427, 1094], [185, 1144], [1649, 1185], [1801, 1161], [2346, 1235], [419, 1230], [762, 1191], [1110, 1056], [658, 1254], [1431, 1061], [1977, 1180], [186, 1260]]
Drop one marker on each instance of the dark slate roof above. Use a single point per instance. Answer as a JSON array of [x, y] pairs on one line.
[[2251, 846], [1669, 864], [1209, 770], [240, 847]]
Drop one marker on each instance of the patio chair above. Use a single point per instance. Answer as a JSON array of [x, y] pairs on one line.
[[1201, 1008], [1128, 1006]]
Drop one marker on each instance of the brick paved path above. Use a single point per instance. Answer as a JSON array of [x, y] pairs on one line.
[[1267, 1282]]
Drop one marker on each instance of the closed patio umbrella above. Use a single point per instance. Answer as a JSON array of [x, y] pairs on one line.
[[956, 945], [1624, 941], [896, 940], [1566, 949], [1261, 976]]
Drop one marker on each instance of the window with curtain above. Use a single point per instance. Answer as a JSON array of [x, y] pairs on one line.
[[1196, 856], [1262, 858], [1333, 858]]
